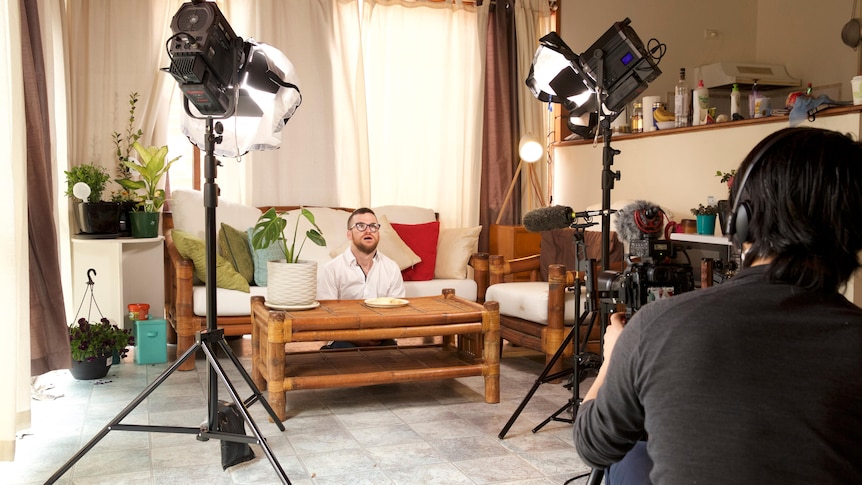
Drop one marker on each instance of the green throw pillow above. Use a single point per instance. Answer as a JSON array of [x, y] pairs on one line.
[[194, 248], [233, 245]]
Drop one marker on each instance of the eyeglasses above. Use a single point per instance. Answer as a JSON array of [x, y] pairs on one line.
[[361, 226]]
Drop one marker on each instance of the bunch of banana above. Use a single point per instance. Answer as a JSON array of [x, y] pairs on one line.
[[662, 114]]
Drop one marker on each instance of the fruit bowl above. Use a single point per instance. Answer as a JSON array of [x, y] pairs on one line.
[[665, 125]]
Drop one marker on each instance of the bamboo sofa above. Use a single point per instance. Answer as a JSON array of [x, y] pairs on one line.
[[185, 294]]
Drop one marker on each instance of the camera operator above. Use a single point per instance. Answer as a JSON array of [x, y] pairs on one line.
[[759, 379]]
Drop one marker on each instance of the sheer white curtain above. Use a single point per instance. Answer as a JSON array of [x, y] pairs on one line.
[[14, 288], [424, 89], [392, 103], [532, 21], [323, 157]]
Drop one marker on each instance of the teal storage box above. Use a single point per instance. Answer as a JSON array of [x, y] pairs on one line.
[[151, 341]]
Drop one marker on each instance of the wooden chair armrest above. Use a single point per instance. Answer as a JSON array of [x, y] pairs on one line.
[[500, 268], [481, 274]]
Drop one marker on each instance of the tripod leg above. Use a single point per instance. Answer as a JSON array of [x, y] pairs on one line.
[[543, 377], [257, 395], [125, 412], [553, 417], [217, 367]]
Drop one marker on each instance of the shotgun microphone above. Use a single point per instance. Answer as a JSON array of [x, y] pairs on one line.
[[555, 217], [549, 218]]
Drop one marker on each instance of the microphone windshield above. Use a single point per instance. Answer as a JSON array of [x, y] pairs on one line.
[[549, 218]]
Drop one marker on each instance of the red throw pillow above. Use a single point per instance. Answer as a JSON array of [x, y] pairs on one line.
[[422, 239]]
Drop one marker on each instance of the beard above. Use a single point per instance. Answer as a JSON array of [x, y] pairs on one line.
[[366, 247]]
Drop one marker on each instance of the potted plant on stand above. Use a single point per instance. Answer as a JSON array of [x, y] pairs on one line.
[[95, 218], [151, 167], [291, 282], [705, 218], [93, 345]]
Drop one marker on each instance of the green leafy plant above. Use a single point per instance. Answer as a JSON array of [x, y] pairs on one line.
[[726, 177], [705, 210], [151, 167], [123, 150], [94, 340], [270, 229], [96, 177]]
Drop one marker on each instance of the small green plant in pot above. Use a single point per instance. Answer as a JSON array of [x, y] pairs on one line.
[[94, 176], [86, 183], [290, 281], [151, 167], [705, 218]]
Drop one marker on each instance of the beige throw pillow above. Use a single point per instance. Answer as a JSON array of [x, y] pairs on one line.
[[390, 244], [454, 248]]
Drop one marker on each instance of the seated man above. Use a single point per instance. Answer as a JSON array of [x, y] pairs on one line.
[[360, 272]]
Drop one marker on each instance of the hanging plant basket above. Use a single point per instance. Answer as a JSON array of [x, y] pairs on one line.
[[88, 370]]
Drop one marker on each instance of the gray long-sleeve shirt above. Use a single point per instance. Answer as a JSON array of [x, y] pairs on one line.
[[745, 382]]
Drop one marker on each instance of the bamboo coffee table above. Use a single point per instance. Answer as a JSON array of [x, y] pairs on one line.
[[471, 345]]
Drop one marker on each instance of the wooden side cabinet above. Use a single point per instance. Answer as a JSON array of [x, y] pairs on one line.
[[128, 270], [514, 242]]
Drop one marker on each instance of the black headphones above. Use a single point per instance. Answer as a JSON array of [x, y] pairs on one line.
[[740, 215]]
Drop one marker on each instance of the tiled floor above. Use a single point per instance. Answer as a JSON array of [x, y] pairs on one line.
[[415, 433]]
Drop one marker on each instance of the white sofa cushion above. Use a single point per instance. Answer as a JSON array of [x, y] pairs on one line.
[[230, 303], [333, 224], [529, 300], [454, 248], [187, 209], [406, 214], [464, 288]]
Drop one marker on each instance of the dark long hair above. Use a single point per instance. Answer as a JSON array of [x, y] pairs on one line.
[[805, 194]]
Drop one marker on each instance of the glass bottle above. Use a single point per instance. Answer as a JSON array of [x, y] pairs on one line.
[[682, 101], [637, 119]]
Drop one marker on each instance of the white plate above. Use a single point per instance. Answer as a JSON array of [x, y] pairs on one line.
[[292, 307], [386, 302]]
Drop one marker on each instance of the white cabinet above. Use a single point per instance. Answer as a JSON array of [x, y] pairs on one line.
[[128, 270]]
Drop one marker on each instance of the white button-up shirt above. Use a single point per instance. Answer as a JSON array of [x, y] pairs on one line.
[[343, 279]]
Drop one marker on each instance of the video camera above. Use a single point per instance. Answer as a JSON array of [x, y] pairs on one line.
[[642, 283]]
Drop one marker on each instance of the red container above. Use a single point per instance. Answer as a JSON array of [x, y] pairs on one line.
[[139, 311]]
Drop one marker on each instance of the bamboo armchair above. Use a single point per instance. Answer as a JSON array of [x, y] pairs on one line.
[[545, 334]]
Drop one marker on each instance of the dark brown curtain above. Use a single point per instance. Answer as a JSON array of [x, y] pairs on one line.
[[500, 135], [49, 340]]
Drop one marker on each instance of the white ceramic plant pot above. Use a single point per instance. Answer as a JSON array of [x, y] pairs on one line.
[[291, 284]]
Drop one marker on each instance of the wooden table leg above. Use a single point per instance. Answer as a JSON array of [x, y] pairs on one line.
[[491, 352]]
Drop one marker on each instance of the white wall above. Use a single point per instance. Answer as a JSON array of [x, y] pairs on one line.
[[804, 36], [675, 170]]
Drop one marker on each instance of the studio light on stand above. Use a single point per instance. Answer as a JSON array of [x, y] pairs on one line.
[[529, 152], [594, 88], [251, 87]]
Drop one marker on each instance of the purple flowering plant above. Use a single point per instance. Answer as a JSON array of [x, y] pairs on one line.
[[92, 340]]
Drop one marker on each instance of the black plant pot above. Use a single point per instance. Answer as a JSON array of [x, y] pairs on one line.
[[88, 370], [125, 219], [99, 218]]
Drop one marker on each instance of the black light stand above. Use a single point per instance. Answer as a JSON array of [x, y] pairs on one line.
[[207, 341], [608, 178]]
